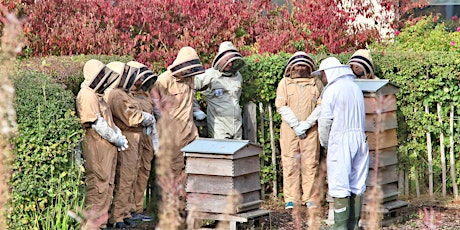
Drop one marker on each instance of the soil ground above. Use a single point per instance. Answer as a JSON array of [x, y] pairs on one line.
[[419, 214]]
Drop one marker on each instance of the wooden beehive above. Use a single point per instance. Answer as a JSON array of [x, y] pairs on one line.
[[216, 168], [381, 125]]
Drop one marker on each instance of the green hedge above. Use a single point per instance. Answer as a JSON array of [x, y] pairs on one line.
[[46, 180]]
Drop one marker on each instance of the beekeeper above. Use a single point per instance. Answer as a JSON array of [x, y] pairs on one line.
[[361, 64], [298, 102], [341, 131], [132, 120], [172, 94], [102, 137], [221, 88], [141, 88]]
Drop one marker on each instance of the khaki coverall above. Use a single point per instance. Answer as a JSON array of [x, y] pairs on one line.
[[99, 154], [146, 153], [176, 96], [300, 157], [127, 115]]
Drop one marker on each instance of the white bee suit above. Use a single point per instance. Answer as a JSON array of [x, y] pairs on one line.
[[343, 113]]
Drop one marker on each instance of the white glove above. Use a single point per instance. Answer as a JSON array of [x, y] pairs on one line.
[[148, 130], [155, 139], [102, 128], [301, 129], [288, 116], [156, 145], [324, 127], [122, 142], [149, 119], [199, 115], [314, 116]]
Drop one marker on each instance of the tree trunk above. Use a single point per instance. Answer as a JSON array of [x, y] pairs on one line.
[[406, 183], [273, 147], [451, 152], [430, 158], [417, 185], [443, 152], [401, 182]]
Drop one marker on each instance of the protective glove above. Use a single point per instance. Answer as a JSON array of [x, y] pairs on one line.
[[324, 127], [148, 130], [301, 129], [155, 140], [121, 142], [199, 115], [156, 143], [149, 119], [314, 115], [288, 116], [102, 128]]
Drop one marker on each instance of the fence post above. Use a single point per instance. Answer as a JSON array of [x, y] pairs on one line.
[[273, 147]]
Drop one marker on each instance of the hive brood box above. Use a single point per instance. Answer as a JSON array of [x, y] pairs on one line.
[[215, 168], [381, 125]]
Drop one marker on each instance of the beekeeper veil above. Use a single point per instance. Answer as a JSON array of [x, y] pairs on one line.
[[145, 77], [363, 59], [98, 76], [228, 60], [187, 64], [299, 59]]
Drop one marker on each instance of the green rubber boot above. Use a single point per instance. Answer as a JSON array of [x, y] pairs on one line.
[[341, 213], [356, 202]]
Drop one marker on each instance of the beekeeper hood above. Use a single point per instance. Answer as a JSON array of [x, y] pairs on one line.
[[228, 60], [299, 58], [98, 76], [333, 69], [363, 59], [127, 76], [187, 63], [145, 77]]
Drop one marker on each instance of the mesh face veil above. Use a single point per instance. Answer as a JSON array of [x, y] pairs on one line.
[[187, 64], [228, 62], [103, 79], [127, 77], [299, 59], [188, 69]]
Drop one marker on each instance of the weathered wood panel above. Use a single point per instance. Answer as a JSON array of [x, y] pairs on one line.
[[387, 139], [222, 184], [373, 106], [386, 156], [385, 175], [219, 203], [222, 167], [389, 193], [387, 121]]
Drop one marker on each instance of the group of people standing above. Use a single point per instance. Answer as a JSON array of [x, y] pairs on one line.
[[119, 105], [327, 111]]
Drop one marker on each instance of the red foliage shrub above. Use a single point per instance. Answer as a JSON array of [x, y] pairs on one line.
[[152, 31]]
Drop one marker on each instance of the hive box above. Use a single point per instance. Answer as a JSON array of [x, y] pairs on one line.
[[215, 169]]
